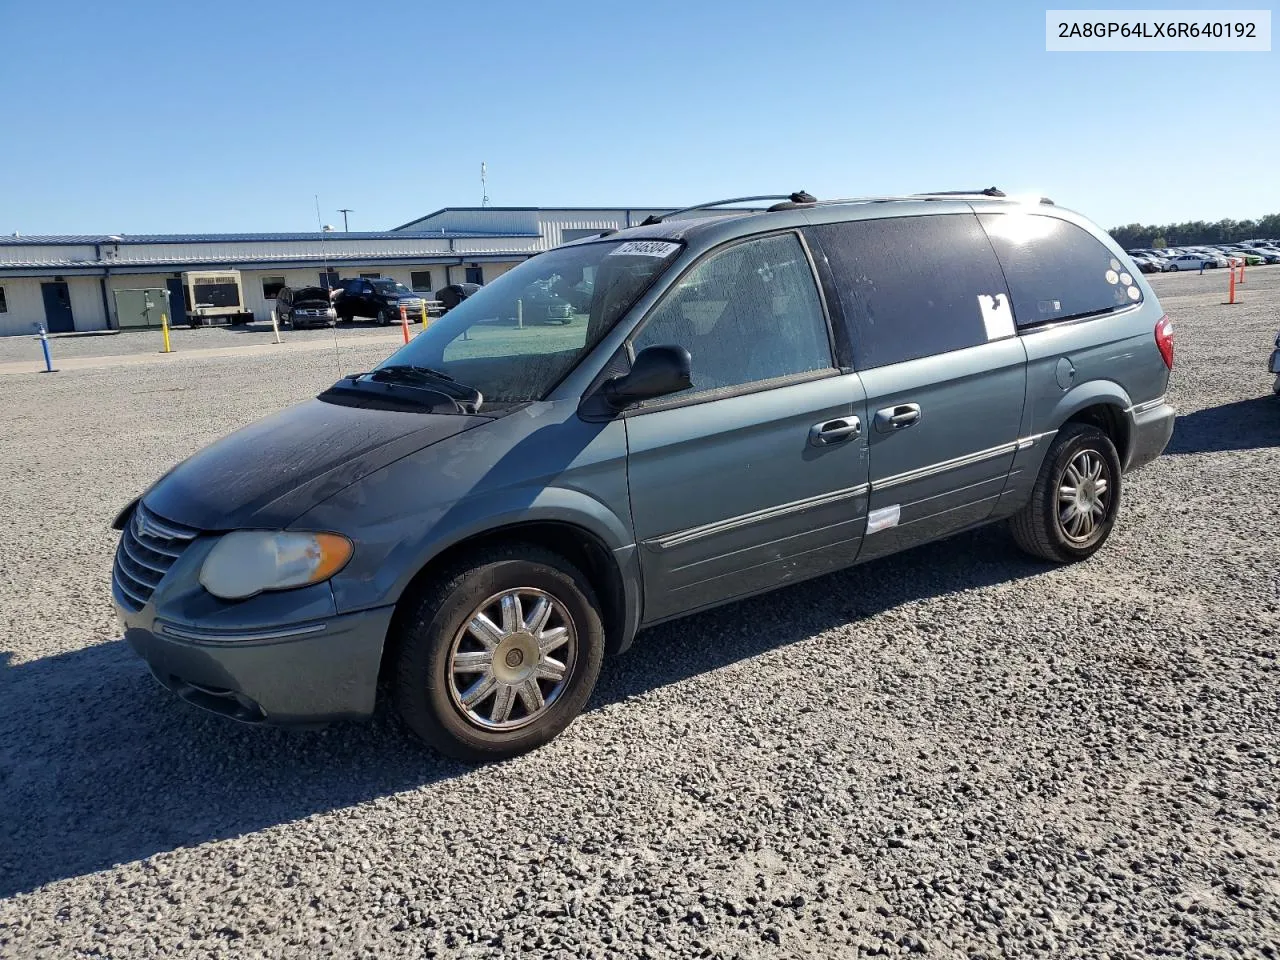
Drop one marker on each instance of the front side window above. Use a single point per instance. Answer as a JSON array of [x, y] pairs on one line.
[[1058, 271], [271, 286], [493, 341], [748, 313], [914, 287]]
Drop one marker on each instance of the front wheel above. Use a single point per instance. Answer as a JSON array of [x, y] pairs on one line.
[[1075, 500], [384, 317], [500, 654], [1173, 267]]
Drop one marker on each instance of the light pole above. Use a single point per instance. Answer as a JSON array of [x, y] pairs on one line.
[[344, 211]]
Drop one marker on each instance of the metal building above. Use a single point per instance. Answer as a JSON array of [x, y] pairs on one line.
[[69, 283]]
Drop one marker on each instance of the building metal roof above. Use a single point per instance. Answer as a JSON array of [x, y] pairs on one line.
[[165, 264], [124, 239]]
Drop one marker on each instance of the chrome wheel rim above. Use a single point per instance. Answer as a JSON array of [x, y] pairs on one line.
[[1084, 494], [512, 658]]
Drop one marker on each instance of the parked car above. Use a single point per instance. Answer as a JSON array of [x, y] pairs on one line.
[[1146, 264], [540, 305], [481, 526], [1268, 254], [1192, 261], [453, 294], [305, 307], [1274, 365], [377, 298], [1251, 258]]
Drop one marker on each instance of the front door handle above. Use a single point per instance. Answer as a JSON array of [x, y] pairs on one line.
[[834, 431], [897, 418]]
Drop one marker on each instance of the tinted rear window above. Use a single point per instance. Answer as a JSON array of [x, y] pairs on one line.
[[911, 287], [1056, 270]]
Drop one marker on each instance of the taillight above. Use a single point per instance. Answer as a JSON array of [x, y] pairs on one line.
[[1164, 340]]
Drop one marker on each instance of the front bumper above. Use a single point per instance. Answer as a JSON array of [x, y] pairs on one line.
[[1150, 430], [300, 673]]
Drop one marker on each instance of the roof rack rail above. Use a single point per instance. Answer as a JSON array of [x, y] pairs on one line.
[[986, 192], [798, 197]]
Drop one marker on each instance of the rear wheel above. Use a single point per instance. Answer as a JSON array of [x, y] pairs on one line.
[[499, 654], [1075, 500]]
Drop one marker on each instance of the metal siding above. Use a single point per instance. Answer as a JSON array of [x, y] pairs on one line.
[[26, 306], [86, 303]]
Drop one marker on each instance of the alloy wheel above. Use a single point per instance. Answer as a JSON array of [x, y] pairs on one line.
[[1084, 494], [512, 659]]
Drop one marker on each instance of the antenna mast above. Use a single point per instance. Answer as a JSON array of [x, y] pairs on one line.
[[484, 196]]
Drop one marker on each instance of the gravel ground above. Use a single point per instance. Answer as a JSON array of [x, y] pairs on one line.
[[955, 751], [183, 339]]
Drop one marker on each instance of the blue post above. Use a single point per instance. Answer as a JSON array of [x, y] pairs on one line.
[[44, 345]]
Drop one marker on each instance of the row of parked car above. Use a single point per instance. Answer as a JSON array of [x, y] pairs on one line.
[[380, 299], [1251, 252]]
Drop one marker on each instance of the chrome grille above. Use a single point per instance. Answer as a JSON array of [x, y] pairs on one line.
[[148, 548]]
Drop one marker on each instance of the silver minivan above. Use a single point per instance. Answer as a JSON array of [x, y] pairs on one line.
[[739, 402]]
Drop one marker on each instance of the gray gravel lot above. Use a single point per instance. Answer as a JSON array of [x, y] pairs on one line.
[[955, 751], [182, 340]]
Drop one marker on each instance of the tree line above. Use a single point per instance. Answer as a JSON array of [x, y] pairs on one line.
[[1196, 232]]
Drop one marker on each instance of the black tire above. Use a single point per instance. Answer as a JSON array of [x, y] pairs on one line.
[[1173, 267], [423, 688], [384, 317], [1038, 528]]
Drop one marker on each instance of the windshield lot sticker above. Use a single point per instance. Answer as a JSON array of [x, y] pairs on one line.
[[645, 248], [996, 315]]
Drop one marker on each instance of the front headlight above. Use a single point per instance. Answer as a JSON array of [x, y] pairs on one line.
[[247, 562]]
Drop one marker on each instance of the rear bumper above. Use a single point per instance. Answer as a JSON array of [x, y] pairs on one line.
[[1150, 430], [302, 673]]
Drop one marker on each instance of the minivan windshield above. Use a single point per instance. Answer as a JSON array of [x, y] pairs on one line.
[[504, 341], [391, 288]]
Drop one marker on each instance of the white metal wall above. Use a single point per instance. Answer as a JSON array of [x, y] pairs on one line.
[[25, 303]]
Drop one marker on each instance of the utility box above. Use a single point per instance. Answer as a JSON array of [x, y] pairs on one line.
[[141, 308]]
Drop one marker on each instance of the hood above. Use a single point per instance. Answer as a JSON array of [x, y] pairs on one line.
[[271, 472]]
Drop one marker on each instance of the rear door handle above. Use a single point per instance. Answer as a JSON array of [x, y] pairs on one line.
[[897, 418], [834, 431]]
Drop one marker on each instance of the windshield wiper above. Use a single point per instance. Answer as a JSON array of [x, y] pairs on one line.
[[408, 366], [467, 398]]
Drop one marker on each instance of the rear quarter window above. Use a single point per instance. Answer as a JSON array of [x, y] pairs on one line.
[[1057, 270]]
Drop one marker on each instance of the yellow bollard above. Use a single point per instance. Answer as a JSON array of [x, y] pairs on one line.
[[164, 328], [424, 314]]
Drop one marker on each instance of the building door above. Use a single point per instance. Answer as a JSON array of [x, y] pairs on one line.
[[57, 308], [177, 303], [475, 275]]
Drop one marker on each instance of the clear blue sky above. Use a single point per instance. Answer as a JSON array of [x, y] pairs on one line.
[[141, 117]]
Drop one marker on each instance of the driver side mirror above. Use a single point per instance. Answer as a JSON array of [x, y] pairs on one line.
[[656, 372]]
